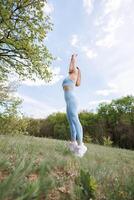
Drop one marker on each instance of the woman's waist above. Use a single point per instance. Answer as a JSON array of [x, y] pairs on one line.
[[68, 87]]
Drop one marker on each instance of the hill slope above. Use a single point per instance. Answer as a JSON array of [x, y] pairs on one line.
[[42, 168]]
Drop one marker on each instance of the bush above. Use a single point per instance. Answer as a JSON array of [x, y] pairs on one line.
[[87, 185], [87, 138], [34, 126], [107, 141], [13, 125]]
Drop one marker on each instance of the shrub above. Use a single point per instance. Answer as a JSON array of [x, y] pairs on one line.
[[87, 138], [13, 125], [107, 141], [87, 185]]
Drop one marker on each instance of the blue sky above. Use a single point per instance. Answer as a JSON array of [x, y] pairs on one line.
[[101, 32]]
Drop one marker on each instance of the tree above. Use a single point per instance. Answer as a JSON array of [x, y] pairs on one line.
[[23, 28], [7, 100], [117, 119], [11, 121]]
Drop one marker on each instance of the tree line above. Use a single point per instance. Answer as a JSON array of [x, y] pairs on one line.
[[112, 124]]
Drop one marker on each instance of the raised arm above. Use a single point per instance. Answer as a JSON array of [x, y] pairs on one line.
[[72, 66], [78, 82]]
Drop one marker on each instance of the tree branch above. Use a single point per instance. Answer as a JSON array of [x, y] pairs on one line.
[[13, 58]]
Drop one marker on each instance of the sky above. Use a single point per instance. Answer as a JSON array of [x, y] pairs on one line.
[[101, 32]]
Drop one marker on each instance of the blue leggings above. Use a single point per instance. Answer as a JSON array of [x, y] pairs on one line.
[[72, 116]]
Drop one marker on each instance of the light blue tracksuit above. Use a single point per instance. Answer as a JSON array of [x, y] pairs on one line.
[[71, 110]]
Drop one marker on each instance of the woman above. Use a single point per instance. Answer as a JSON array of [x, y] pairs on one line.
[[74, 79]]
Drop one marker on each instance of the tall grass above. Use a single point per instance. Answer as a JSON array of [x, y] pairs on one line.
[[42, 168]]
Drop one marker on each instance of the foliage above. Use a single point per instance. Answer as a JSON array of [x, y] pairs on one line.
[[13, 125], [107, 141], [107, 127], [11, 119], [117, 119], [87, 138], [6, 97], [87, 184], [112, 125], [33, 127], [54, 126], [23, 28]]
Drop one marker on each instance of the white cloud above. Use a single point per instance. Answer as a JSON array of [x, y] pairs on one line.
[[106, 92], [57, 76], [35, 108], [74, 40], [113, 24], [120, 85], [88, 6], [97, 102], [38, 82], [92, 105], [125, 82], [90, 53], [107, 41], [63, 109], [112, 5], [109, 30], [48, 8], [110, 21]]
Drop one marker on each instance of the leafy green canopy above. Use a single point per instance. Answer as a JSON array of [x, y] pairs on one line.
[[8, 102], [23, 28]]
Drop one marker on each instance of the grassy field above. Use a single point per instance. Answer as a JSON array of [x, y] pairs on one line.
[[42, 168]]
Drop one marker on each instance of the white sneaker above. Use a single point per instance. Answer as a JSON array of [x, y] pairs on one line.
[[80, 150], [72, 146]]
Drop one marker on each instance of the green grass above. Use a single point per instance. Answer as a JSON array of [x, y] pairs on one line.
[[42, 168]]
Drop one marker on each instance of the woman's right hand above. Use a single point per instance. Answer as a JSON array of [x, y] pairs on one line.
[[72, 66], [74, 56]]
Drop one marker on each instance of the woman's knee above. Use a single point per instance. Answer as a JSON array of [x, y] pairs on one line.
[[75, 118]]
